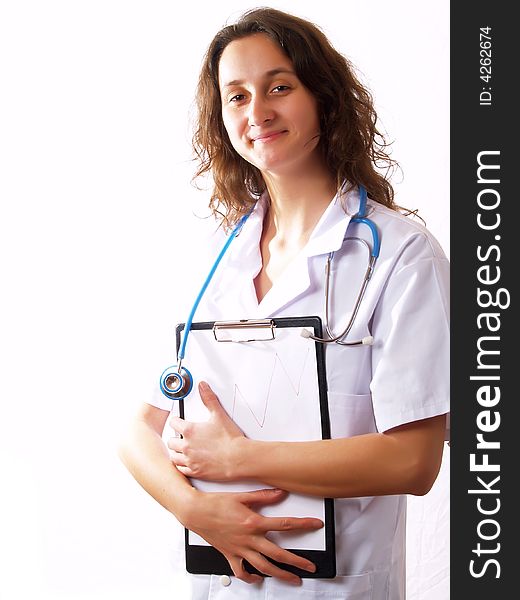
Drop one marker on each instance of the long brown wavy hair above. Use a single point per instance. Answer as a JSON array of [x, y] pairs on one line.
[[353, 148]]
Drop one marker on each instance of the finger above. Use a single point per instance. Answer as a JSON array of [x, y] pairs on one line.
[[262, 497], [178, 424], [209, 398], [268, 568], [291, 523], [281, 555], [176, 444], [237, 565], [178, 459], [186, 471]]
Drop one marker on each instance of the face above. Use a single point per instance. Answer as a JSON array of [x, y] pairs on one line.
[[271, 118]]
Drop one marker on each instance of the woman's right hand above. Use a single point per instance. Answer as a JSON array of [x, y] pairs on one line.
[[228, 522]]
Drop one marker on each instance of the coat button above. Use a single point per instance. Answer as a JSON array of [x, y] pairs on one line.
[[225, 580]]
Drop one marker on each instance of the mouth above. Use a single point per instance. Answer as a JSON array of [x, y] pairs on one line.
[[268, 136]]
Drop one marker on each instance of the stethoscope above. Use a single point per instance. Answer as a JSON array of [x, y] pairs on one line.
[[176, 382]]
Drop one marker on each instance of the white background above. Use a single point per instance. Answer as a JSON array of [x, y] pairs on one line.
[[97, 233]]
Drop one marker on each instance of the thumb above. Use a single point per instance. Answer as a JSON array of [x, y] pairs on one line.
[[262, 497], [209, 398]]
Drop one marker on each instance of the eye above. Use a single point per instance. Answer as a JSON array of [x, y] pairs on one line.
[[236, 98], [281, 88]]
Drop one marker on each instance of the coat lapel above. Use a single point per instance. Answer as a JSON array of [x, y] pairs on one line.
[[327, 237]]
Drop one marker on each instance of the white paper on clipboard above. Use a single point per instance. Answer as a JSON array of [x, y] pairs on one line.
[[270, 389]]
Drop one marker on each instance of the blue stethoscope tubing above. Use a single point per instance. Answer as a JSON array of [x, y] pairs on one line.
[[176, 382], [360, 217]]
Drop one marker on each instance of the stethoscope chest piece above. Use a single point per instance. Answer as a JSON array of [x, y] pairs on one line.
[[176, 383]]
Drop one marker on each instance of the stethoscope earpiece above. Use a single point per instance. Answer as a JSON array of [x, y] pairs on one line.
[[176, 384]]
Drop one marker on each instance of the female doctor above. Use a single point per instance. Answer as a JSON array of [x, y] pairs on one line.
[[289, 135]]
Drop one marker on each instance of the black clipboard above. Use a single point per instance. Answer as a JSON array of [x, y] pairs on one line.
[[213, 346]]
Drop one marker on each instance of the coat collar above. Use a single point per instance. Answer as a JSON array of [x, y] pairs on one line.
[[327, 235], [331, 228]]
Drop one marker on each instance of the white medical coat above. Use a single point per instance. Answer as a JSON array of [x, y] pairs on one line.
[[402, 377]]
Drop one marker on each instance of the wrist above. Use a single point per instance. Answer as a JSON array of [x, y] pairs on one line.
[[241, 460], [186, 506]]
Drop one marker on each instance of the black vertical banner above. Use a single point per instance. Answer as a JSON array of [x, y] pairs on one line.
[[485, 450]]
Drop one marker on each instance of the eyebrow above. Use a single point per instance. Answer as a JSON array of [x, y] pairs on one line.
[[270, 73]]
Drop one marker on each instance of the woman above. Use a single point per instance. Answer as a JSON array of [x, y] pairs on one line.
[[288, 132]]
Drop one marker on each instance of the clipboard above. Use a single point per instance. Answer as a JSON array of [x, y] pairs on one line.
[[272, 382]]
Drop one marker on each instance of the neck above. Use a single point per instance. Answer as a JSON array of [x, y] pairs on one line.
[[297, 203]]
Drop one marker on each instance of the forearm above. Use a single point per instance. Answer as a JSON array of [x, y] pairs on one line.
[[330, 468], [144, 454], [365, 465]]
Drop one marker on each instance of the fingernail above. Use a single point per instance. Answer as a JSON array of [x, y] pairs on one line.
[[311, 568], [203, 386]]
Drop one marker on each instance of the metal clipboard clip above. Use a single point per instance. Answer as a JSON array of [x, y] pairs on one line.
[[245, 330]]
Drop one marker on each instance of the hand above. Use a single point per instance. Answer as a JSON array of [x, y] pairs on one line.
[[228, 522], [205, 450]]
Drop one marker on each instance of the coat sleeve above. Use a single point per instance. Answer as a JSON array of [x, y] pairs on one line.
[[411, 351]]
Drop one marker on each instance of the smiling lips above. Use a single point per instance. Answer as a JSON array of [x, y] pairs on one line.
[[268, 136]]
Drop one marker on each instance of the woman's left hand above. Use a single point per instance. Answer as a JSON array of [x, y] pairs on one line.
[[205, 450]]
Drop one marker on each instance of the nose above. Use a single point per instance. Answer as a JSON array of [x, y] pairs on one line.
[[260, 112]]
